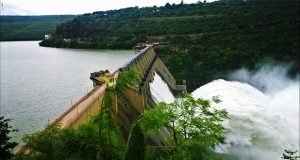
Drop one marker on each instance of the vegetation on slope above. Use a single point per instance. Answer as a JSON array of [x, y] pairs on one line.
[[125, 27], [16, 28], [208, 40]]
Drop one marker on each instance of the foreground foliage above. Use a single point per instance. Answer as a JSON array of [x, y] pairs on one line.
[[6, 146], [196, 127], [136, 144], [83, 142], [61, 144]]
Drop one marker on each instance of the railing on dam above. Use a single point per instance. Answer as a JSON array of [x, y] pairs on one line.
[[136, 58]]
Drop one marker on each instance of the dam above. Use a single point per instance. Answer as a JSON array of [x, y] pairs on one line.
[[126, 106]]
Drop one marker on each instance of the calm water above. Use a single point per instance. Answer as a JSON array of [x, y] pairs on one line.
[[38, 83]]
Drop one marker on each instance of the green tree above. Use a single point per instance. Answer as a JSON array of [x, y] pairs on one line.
[[59, 144], [111, 143], [6, 145], [136, 144], [196, 127], [106, 123], [126, 78]]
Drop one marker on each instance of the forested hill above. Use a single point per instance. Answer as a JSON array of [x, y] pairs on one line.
[[29, 27], [208, 39], [125, 27]]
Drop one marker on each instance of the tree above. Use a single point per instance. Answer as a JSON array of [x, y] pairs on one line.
[[181, 3], [107, 126], [168, 5], [126, 78], [58, 144], [136, 144], [5, 145], [111, 143], [196, 127]]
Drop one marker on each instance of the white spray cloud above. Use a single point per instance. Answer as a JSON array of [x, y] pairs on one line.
[[262, 124], [268, 78]]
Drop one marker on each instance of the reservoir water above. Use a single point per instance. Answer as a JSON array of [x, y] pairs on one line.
[[39, 83]]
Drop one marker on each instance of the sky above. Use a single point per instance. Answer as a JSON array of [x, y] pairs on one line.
[[52, 7]]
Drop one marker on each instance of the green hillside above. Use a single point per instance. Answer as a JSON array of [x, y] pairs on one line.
[[207, 40], [29, 27]]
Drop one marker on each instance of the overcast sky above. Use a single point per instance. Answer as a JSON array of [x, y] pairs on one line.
[[49, 7]]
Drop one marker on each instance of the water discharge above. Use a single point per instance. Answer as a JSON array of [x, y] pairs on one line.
[[262, 124], [264, 115], [160, 90]]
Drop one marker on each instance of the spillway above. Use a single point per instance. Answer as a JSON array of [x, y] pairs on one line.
[[160, 90]]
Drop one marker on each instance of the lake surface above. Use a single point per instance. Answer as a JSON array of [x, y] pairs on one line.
[[38, 83]]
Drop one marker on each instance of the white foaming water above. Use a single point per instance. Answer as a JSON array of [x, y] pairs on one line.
[[261, 125], [160, 90]]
